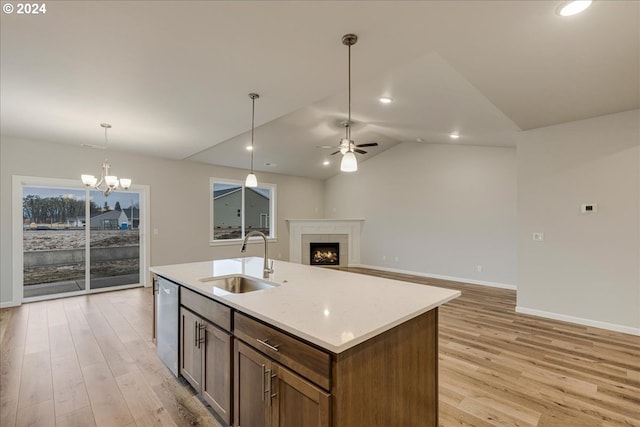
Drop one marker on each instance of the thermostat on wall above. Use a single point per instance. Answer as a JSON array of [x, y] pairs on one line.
[[589, 208]]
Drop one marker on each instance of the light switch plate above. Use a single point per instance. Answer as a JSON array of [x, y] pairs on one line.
[[538, 236]]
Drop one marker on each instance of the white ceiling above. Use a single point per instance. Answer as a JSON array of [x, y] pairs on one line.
[[173, 77]]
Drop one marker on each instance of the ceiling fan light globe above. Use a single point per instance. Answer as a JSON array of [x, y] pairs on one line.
[[349, 162]]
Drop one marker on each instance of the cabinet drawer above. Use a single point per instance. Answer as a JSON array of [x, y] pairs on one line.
[[213, 311], [298, 356]]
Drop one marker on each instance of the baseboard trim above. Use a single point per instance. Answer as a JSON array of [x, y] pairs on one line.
[[9, 304], [438, 276], [579, 320]]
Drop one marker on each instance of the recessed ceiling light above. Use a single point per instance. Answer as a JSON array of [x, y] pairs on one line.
[[249, 148], [385, 100], [573, 7], [326, 163], [454, 135]]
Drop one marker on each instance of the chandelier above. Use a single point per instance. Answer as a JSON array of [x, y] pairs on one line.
[[107, 183]]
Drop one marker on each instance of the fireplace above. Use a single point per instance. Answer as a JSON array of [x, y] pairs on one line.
[[324, 253]]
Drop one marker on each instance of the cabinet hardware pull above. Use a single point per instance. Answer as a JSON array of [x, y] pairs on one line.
[[270, 385], [263, 374], [265, 343], [195, 333], [271, 395], [201, 336], [268, 390]]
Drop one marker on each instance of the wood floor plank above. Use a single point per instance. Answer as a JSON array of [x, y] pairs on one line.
[[118, 322], [55, 313], [107, 402], [37, 386], [14, 321], [38, 415], [69, 390], [82, 417], [37, 329], [113, 350], [146, 408], [85, 343], [61, 342]]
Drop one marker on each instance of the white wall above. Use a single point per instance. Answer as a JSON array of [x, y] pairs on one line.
[[587, 270], [442, 210], [179, 199]]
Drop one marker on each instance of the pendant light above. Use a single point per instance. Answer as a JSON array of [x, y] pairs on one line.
[[349, 162], [251, 180], [107, 183]]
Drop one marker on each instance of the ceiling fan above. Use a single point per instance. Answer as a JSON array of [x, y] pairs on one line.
[[348, 144]]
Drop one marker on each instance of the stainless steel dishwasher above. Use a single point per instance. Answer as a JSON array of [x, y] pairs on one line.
[[167, 322]]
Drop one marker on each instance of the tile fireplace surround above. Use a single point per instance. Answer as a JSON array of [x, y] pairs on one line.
[[345, 231]]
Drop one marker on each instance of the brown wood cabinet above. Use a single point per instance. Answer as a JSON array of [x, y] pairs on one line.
[[269, 395], [190, 352], [252, 373], [271, 378], [206, 352], [390, 379]]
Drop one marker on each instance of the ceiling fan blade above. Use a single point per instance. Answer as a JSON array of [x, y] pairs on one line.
[[325, 146], [359, 151], [335, 152], [369, 144]]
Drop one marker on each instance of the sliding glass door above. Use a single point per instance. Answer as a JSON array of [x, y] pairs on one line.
[[54, 240], [76, 240], [114, 240]]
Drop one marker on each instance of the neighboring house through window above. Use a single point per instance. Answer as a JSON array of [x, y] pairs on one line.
[[236, 210]]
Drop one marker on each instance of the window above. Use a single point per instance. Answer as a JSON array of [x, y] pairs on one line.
[[236, 210]]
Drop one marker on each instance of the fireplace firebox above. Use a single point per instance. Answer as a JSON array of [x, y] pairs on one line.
[[324, 253]]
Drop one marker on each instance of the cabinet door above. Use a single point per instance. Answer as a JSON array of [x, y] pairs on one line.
[[252, 381], [190, 353], [216, 370], [297, 402]]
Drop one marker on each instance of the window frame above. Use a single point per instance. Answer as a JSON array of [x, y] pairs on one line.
[[272, 237]]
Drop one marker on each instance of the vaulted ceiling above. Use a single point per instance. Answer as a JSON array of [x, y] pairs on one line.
[[173, 77]]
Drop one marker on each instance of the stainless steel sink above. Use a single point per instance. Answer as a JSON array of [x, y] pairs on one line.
[[237, 284]]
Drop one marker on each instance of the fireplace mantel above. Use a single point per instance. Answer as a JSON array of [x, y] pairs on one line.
[[350, 227]]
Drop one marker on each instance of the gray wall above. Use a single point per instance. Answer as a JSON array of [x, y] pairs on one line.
[[441, 210], [587, 269], [179, 199]]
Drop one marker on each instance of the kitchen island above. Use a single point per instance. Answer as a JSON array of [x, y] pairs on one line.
[[319, 347]]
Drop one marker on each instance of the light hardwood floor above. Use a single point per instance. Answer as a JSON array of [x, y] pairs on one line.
[[89, 360]]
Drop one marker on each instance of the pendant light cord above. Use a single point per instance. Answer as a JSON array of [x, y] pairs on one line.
[[253, 112]]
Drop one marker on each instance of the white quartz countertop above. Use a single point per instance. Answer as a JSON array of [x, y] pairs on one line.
[[333, 309]]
